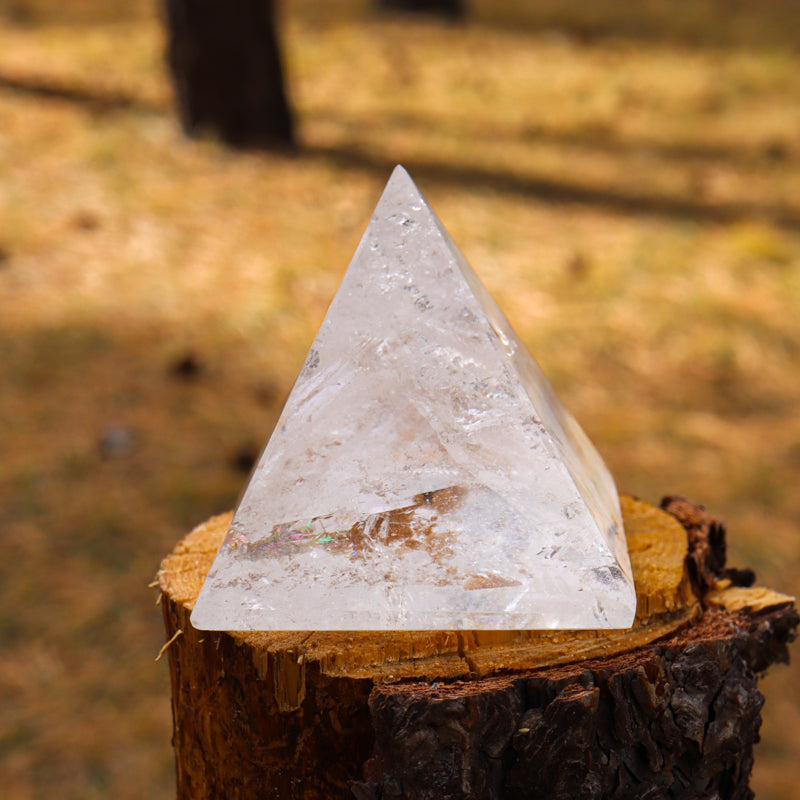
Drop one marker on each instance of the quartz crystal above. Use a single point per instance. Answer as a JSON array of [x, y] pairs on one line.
[[423, 474]]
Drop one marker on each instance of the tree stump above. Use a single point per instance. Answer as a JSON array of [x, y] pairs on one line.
[[669, 708], [227, 72]]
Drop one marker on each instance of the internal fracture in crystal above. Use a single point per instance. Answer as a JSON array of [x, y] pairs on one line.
[[423, 474]]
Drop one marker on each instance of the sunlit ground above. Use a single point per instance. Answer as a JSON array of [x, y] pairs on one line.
[[632, 201]]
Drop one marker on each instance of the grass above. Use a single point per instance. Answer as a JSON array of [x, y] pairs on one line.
[[627, 189]]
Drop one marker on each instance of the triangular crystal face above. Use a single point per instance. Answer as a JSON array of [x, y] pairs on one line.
[[423, 474]]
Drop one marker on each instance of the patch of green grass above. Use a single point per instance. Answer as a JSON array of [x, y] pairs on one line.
[[761, 243]]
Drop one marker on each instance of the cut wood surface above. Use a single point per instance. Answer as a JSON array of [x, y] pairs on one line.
[[450, 714], [657, 546]]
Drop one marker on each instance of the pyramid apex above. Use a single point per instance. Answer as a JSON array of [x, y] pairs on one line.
[[399, 173], [400, 188]]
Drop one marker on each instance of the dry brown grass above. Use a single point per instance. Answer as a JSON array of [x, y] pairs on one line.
[[631, 200]]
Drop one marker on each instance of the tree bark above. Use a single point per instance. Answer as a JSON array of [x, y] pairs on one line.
[[227, 73], [669, 708]]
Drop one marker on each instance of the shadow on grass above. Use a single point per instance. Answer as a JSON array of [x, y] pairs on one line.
[[563, 192], [597, 137], [92, 99], [699, 24]]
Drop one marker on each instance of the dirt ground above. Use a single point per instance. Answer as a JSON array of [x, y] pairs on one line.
[[625, 178]]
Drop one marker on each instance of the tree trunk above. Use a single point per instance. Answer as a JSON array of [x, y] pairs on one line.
[[226, 68], [451, 9], [669, 708]]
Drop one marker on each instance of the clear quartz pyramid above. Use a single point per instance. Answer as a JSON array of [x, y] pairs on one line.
[[423, 474]]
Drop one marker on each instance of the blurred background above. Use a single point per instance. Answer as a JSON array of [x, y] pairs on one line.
[[624, 177]]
